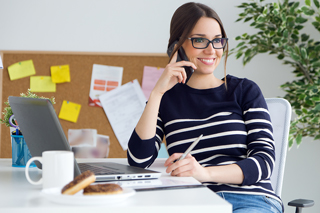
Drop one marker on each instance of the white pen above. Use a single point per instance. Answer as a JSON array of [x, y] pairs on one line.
[[189, 149]]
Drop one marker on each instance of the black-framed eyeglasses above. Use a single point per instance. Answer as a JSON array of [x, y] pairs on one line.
[[203, 43]]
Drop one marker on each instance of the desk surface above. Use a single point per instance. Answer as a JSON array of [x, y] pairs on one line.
[[16, 193]]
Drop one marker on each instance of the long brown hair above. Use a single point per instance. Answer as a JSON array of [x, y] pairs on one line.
[[183, 21]]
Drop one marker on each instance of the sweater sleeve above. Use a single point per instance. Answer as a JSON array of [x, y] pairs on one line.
[[260, 145], [142, 153]]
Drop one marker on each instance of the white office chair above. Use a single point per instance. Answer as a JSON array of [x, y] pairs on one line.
[[280, 113]]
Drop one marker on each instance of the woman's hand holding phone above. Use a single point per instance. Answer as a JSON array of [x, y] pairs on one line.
[[174, 73]]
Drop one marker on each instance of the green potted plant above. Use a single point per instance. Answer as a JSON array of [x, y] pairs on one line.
[[20, 151], [280, 32]]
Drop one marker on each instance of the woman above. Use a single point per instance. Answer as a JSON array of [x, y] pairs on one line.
[[235, 156]]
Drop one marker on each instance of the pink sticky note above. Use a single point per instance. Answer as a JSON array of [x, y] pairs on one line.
[[150, 77]]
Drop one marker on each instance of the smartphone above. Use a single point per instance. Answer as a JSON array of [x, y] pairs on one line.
[[181, 57]]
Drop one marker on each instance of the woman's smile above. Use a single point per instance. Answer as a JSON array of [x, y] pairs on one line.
[[207, 61]]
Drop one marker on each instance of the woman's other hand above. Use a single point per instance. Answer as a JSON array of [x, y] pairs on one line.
[[187, 167]]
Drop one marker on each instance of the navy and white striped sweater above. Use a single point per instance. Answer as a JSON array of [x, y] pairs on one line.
[[236, 128]]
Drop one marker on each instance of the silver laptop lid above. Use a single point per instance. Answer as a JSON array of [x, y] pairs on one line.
[[40, 126]]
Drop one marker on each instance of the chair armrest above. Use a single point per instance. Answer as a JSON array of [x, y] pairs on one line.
[[301, 203]]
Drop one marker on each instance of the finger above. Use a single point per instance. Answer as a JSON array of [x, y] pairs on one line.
[[184, 76], [178, 72], [186, 64], [175, 165], [172, 158], [174, 57], [187, 173], [179, 77], [185, 168], [189, 156]]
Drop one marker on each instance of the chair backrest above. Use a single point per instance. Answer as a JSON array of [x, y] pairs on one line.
[[280, 113]]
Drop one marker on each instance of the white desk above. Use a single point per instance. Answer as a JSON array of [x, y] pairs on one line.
[[17, 195]]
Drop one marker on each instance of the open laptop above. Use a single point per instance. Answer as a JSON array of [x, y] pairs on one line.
[[42, 131]]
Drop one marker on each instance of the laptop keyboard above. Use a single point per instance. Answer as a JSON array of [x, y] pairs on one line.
[[99, 170]]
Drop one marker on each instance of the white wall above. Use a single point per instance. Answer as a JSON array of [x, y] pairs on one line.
[[143, 26]]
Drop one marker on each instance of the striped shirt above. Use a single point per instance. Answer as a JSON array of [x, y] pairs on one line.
[[236, 129]]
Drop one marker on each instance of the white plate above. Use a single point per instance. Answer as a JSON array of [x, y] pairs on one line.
[[54, 195]]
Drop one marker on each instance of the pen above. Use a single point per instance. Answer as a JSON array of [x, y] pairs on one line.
[[189, 149]]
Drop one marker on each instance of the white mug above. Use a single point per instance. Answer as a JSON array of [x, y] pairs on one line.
[[57, 169]]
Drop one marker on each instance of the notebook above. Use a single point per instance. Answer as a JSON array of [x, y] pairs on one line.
[[42, 131]]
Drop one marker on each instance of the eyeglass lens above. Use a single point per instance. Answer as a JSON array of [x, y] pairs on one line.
[[218, 43]]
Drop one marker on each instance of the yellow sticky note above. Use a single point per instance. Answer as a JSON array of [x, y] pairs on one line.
[[42, 84], [69, 111], [60, 74], [21, 69]]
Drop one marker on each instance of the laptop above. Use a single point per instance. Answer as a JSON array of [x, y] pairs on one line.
[[42, 131]]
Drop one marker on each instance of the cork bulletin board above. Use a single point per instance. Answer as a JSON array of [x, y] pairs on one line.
[[77, 90]]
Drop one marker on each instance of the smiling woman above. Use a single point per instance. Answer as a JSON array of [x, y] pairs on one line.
[[236, 153]]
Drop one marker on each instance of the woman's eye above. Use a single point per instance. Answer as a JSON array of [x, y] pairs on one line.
[[199, 40], [217, 40]]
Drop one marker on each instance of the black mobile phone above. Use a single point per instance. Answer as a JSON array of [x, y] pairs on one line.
[[181, 57]]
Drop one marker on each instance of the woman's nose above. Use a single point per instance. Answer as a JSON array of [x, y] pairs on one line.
[[210, 49]]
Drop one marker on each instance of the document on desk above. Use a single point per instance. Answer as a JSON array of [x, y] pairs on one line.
[[123, 107], [165, 182]]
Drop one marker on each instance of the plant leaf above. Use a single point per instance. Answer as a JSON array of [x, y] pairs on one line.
[[308, 2], [317, 107], [316, 64], [303, 53], [301, 20], [298, 139], [290, 142], [304, 37], [315, 98], [307, 11]]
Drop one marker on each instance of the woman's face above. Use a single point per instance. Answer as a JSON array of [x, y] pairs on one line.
[[206, 60]]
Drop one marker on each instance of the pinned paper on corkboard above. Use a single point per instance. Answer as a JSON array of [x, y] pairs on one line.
[[70, 111], [21, 69], [60, 74], [42, 84], [104, 79]]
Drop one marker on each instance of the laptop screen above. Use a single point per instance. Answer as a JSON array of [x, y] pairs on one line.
[[40, 126]]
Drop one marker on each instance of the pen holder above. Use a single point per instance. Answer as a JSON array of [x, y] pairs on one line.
[[20, 152]]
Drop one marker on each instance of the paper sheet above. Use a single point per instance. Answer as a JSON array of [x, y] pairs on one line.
[[42, 84], [104, 78], [86, 143], [123, 107], [69, 111], [1, 65], [60, 74], [21, 69], [82, 137], [150, 77]]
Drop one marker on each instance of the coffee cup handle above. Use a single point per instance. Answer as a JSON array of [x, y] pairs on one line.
[[27, 170]]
